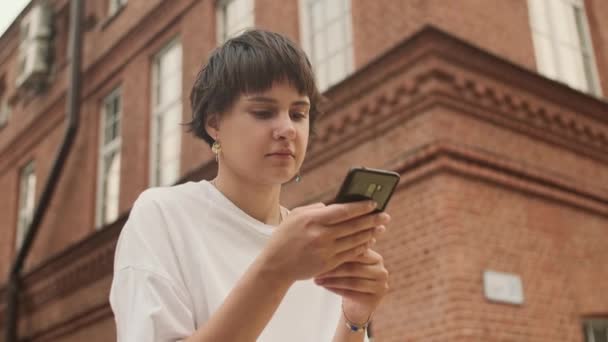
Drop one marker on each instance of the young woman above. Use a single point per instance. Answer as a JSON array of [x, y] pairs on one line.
[[222, 260]]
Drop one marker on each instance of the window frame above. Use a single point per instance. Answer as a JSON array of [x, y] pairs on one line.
[[155, 112], [106, 149], [590, 324], [586, 49], [114, 6], [5, 111], [25, 212], [306, 39], [221, 20]]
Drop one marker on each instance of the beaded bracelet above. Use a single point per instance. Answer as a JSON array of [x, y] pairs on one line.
[[354, 327]]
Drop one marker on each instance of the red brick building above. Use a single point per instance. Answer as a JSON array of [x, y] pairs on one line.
[[494, 113]]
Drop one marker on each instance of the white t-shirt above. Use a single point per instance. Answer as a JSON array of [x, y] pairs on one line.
[[182, 251]]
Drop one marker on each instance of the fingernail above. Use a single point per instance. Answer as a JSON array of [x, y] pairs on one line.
[[373, 241], [381, 228], [373, 204]]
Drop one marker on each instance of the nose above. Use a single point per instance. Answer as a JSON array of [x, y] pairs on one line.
[[285, 128]]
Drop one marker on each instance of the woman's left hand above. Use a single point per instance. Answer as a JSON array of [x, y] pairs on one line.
[[362, 283]]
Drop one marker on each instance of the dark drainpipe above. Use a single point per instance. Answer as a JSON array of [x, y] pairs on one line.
[[73, 96]]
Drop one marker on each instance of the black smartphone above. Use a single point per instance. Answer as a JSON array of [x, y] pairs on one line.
[[363, 183]]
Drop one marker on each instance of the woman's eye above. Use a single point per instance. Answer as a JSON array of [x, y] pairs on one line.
[[262, 113], [298, 116]]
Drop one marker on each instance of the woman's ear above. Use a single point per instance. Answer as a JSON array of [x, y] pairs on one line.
[[212, 125]]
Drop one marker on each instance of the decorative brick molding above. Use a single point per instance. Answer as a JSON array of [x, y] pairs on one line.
[[76, 321], [434, 67], [431, 69], [475, 163], [66, 273]]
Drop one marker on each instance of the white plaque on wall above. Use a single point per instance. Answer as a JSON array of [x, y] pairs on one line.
[[503, 287]]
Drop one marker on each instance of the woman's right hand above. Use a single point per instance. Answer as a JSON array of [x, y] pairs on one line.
[[315, 239]]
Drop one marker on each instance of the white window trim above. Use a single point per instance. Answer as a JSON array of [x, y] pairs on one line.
[[306, 39], [23, 210], [594, 323], [220, 29], [115, 5], [153, 181], [5, 111], [588, 41], [104, 150], [305, 28], [220, 20]]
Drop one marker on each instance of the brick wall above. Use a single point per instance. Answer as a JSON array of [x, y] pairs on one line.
[[554, 248], [500, 27]]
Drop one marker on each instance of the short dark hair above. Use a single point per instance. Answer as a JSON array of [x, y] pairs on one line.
[[250, 63]]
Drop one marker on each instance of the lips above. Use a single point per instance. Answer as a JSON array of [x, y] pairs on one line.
[[283, 153]]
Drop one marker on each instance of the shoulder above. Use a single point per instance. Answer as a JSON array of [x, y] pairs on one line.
[[163, 197], [157, 208], [174, 206], [154, 227]]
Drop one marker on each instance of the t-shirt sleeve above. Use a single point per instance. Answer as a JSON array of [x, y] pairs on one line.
[[148, 297], [147, 307]]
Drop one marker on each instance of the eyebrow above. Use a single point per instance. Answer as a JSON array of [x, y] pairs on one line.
[[273, 101]]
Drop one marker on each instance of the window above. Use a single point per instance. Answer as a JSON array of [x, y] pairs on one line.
[[115, 5], [166, 115], [327, 38], [24, 33], [596, 330], [5, 111], [233, 16], [108, 183], [27, 192], [562, 43]]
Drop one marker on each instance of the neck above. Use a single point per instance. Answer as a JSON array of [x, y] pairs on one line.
[[260, 201]]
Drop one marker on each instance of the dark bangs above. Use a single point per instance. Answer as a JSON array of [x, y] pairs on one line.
[[250, 63]]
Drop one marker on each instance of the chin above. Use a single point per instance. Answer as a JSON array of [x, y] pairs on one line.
[[281, 178]]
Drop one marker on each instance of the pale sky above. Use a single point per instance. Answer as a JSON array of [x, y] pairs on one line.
[[9, 10]]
